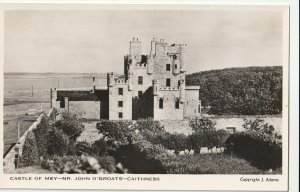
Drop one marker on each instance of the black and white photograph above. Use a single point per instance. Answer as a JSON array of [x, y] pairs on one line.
[[146, 91]]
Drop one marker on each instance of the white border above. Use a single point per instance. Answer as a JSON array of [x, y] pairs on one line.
[[294, 68]]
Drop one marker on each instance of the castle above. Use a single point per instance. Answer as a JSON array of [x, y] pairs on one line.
[[153, 85]]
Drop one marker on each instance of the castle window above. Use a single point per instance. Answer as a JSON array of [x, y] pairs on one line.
[[178, 83], [120, 115], [161, 103], [168, 82], [140, 94], [62, 104], [120, 103], [120, 91], [176, 103], [199, 108], [175, 66], [168, 67], [140, 80]]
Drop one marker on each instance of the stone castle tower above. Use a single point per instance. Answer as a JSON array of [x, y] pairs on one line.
[[153, 85]]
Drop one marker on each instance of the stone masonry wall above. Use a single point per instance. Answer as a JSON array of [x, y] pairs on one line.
[[169, 111], [192, 103], [9, 159], [114, 98]]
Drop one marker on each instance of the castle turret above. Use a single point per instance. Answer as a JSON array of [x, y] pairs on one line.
[[182, 91], [110, 79], [153, 42], [182, 58], [155, 87], [150, 63], [135, 49]]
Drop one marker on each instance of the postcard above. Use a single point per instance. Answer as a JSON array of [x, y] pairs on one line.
[[145, 96]]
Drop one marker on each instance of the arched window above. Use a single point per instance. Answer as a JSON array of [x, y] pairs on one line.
[[161, 103]]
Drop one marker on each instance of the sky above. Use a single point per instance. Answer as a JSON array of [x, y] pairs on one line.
[[97, 40]]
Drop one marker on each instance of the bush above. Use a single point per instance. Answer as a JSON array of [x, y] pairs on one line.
[[85, 148], [42, 134], [149, 125], [262, 150], [70, 125], [58, 143], [208, 164], [208, 138], [118, 131], [30, 155], [36, 142], [101, 147], [177, 142], [108, 163], [141, 156], [199, 125], [78, 165], [259, 125]]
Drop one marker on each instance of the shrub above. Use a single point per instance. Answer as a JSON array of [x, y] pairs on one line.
[[141, 156], [76, 165], [207, 138], [36, 142], [70, 125], [177, 142], [118, 131], [149, 125], [199, 125], [259, 125], [101, 147], [108, 163], [41, 135], [208, 164], [262, 150], [30, 155], [58, 143], [85, 148]]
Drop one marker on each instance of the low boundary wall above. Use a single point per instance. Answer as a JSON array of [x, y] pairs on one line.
[[9, 161]]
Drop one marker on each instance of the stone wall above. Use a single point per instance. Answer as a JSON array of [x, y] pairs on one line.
[[192, 102], [147, 80], [169, 111], [88, 104], [85, 109], [114, 99], [9, 159]]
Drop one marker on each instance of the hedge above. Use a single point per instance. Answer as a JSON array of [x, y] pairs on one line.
[[262, 150], [30, 154], [208, 164]]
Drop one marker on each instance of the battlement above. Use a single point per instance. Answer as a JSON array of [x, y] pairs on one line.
[[120, 80], [169, 88]]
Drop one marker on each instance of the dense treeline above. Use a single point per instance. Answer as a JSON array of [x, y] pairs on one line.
[[240, 91]]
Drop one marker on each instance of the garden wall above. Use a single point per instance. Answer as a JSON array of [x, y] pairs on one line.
[[21, 150]]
